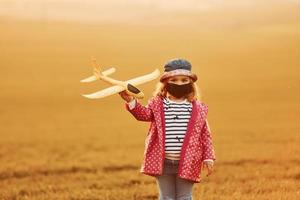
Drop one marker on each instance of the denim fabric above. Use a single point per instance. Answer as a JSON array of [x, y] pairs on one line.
[[172, 187]]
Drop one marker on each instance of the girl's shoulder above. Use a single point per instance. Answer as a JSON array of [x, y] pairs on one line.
[[155, 100], [201, 104]]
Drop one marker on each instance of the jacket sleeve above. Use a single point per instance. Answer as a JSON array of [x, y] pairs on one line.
[[207, 145], [140, 112]]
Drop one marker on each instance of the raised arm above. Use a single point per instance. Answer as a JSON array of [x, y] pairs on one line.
[[140, 112]]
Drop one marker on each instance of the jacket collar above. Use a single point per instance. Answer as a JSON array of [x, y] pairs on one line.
[[158, 106], [198, 109]]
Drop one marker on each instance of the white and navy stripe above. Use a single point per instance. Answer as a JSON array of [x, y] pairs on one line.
[[177, 115]]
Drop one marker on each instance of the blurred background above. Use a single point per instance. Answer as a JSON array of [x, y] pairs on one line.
[[55, 144]]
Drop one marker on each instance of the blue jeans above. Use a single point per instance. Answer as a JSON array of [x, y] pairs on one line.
[[172, 187]]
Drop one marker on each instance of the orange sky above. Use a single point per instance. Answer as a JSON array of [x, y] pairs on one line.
[[207, 12]]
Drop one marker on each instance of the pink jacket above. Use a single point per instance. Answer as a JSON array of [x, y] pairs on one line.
[[197, 145]]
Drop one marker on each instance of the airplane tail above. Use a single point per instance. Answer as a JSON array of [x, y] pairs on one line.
[[109, 71], [94, 78], [98, 69], [96, 65]]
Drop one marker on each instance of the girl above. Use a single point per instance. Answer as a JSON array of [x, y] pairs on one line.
[[179, 141]]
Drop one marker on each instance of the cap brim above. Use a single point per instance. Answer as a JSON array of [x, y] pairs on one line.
[[178, 72]]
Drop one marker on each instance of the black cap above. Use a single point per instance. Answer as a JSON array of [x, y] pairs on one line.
[[177, 64]]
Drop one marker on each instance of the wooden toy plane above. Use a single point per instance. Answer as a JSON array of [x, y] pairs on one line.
[[118, 86]]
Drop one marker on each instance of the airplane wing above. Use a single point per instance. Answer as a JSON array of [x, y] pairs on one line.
[[116, 88], [94, 78]]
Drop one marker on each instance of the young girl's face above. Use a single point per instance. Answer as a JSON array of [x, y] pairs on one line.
[[179, 79]]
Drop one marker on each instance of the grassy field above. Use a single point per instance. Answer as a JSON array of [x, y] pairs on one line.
[[56, 144]]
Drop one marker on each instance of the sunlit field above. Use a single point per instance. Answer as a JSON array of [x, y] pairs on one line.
[[56, 144]]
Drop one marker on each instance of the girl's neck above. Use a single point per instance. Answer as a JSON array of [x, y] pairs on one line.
[[172, 98]]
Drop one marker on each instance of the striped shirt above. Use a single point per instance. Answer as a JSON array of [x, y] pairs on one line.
[[177, 115]]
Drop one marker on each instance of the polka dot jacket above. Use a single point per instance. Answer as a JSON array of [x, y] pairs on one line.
[[197, 145]]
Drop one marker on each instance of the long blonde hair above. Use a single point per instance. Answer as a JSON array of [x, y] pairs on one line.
[[161, 91]]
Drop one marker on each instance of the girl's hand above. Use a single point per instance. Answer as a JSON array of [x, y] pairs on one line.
[[209, 166], [127, 97]]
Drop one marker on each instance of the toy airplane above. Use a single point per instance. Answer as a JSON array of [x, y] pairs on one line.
[[118, 86]]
